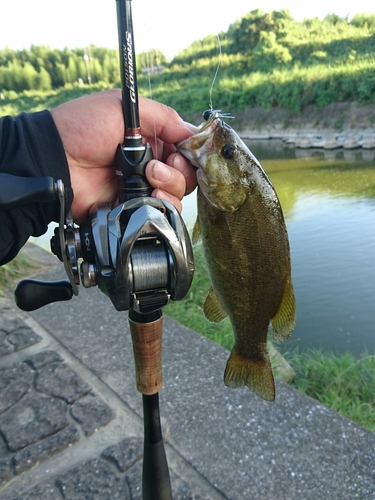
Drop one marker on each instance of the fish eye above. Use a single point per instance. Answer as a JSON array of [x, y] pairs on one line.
[[206, 114], [228, 151]]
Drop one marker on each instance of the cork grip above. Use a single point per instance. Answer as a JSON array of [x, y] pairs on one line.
[[147, 348]]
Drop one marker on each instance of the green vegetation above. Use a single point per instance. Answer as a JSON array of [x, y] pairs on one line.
[[342, 382], [34, 100], [268, 59], [273, 60], [15, 270], [42, 68]]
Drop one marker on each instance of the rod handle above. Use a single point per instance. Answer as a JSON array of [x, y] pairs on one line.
[[147, 349]]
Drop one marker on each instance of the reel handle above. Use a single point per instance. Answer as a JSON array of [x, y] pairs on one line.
[[17, 191], [30, 295]]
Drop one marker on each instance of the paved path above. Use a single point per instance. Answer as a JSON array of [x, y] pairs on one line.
[[71, 418]]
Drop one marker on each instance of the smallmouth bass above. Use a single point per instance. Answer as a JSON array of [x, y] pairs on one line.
[[246, 249]]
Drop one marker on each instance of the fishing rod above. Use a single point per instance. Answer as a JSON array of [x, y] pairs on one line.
[[138, 253], [132, 156], [146, 328]]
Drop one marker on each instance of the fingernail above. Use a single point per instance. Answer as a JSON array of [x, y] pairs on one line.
[[161, 172]]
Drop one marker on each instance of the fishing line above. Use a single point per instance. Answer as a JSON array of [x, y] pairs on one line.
[[218, 111], [148, 62], [216, 72]]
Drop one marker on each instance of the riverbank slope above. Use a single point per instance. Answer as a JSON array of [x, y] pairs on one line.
[[349, 123]]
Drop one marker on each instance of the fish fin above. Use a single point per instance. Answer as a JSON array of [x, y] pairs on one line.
[[284, 320], [197, 236], [212, 308], [255, 374]]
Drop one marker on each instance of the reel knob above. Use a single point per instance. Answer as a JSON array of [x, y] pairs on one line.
[[17, 191], [30, 295]]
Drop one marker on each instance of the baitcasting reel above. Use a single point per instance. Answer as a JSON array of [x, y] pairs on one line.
[[139, 254]]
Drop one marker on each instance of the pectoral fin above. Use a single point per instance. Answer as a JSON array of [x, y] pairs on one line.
[[212, 308], [284, 320], [197, 235], [227, 198]]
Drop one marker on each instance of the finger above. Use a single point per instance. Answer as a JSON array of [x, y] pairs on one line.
[[180, 163], [159, 193], [160, 120], [166, 178]]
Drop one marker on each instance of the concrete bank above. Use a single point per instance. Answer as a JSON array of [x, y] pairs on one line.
[[71, 418], [338, 125]]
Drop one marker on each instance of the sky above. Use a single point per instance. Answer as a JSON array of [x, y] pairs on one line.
[[168, 25]]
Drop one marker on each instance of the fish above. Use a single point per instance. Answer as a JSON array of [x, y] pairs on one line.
[[246, 249]]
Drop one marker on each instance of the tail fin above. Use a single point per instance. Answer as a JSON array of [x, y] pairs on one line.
[[255, 374]]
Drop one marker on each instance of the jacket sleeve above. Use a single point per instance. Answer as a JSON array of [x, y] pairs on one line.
[[30, 146]]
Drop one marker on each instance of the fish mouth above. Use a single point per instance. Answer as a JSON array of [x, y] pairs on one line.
[[196, 147]]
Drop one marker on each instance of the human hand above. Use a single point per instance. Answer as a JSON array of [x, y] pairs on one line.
[[91, 128]]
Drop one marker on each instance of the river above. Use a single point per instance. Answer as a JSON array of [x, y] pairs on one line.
[[328, 199]]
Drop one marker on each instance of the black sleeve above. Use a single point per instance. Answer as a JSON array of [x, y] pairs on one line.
[[30, 146]]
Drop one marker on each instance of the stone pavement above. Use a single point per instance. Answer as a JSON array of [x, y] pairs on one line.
[[71, 418]]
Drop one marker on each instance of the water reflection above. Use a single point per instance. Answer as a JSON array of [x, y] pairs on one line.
[[332, 243]]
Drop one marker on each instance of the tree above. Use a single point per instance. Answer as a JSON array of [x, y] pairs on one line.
[[364, 19], [268, 52], [246, 33], [43, 80], [71, 70]]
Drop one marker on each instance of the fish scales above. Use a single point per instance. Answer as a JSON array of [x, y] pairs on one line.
[[246, 251]]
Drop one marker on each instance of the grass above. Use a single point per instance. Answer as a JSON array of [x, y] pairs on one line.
[[14, 271], [343, 382]]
